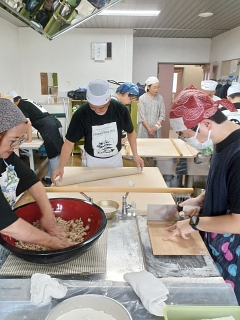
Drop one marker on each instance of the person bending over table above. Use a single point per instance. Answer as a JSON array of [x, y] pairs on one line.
[[49, 127], [16, 177]]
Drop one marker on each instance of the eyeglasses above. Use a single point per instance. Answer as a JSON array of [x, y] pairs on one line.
[[132, 97], [194, 128], [16, 143]]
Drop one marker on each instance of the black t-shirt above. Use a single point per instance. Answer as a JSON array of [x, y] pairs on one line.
[[102, 133], [237, 105], [233, 175], [33, 111], [27, 179]]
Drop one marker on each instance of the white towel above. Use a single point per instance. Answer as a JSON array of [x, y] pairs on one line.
[[149, 289], [44, 288]]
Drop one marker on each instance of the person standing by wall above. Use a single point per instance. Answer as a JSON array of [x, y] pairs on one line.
[[49, 127], [151, 110]]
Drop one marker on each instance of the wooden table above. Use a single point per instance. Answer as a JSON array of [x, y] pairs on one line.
[[27, 150], [150, 177]]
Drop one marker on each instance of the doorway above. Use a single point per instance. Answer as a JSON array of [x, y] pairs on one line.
[[184, 75]]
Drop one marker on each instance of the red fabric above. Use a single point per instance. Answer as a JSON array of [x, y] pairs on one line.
[[194, 105]]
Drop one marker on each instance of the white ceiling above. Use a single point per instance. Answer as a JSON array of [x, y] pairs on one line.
[[177, 19]]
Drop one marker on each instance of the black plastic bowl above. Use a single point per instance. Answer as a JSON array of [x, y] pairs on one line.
[[67, 209]]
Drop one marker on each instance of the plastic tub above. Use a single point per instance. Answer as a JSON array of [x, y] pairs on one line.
[[200, 312]]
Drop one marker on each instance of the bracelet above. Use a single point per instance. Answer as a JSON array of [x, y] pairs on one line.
[[158, 126]]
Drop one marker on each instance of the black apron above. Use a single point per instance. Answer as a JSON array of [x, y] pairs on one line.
[[48, 127]]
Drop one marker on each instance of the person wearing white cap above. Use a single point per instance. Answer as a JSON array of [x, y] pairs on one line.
[[209, 87], [151, 110], [100, 122], [49, 127], [233, 95]]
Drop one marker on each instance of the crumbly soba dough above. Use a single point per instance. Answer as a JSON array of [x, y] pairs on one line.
[[74, 229]]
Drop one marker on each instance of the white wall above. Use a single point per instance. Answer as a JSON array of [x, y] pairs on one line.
[[11, 77], [70, 56], [147, 52], [25, 53], [225, 47]]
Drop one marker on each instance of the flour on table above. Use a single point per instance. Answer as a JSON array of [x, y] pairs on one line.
[[85, 314]]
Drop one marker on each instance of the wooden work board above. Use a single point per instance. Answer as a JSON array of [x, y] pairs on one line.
[[177, 245], [161, 148]]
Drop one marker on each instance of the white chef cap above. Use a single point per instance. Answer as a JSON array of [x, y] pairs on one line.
[[208, 85], [13, 94], [98, 92], [150, 81], [235, 88]]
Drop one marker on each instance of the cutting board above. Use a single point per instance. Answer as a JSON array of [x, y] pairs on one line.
[[177, 245]]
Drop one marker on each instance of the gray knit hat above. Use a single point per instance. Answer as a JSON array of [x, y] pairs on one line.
[[10, 115]]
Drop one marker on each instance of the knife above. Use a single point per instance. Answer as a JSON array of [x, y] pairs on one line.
[[168, 212]]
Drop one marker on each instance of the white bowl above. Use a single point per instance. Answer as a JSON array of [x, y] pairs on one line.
[[93, 301]]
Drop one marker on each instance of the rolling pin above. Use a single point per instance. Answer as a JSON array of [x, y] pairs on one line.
[[93, 175], [120, 189]]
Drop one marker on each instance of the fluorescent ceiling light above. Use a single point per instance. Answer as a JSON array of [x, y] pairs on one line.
[[205, 14], [139, 13]]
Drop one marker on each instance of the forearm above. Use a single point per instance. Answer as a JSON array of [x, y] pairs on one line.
[[229, 223], [24, 231], [65, 153], [199, 199], [146, 125], [29, 131], [38, 192]]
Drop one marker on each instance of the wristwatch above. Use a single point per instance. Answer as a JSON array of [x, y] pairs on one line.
[[194, 222]]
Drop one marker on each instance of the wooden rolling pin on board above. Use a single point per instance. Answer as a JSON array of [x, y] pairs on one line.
[[82, 179], [120, 189], [91, 174]]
